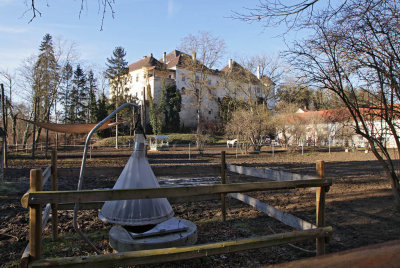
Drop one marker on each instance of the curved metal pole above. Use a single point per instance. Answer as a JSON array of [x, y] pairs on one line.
[[80, 182]]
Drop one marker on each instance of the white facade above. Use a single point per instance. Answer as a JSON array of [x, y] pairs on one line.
[[149, 73], [327, 132]]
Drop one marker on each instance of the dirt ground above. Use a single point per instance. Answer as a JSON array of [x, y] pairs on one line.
[[359, 207]]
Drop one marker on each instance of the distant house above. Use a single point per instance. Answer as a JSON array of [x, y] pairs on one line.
[[149, 74], [334, 127]]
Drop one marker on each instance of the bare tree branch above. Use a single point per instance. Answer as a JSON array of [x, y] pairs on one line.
[[294, 15], [104, 7]]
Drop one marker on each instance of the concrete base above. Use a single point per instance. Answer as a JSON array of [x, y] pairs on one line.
[[121, 240]]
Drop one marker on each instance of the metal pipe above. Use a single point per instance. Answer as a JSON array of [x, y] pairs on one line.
[[82, 171]]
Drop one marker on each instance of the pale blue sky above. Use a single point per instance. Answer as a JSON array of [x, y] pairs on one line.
[[140, 26]]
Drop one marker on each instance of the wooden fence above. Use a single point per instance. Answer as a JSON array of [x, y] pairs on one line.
[[35, 199], [37, 219]]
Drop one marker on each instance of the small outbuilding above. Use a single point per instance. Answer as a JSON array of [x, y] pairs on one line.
[[159, 143]]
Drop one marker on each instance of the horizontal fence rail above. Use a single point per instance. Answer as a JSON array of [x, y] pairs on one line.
[[270, 174], [182, 253], [57, 197], [275, 213]]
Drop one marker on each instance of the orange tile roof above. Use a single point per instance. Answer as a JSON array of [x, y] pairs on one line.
[[343, 114], [239, 70], [145, 62]]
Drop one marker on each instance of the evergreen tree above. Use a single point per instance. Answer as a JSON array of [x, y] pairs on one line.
[[157, 110], [227, 105], [79, 96], [173, 104], [118, 74], [67, 75], [45, 85], [101, 112], [92, 86]]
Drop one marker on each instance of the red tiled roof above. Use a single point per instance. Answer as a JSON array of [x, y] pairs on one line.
[[267, 81], [145, 62], [175, 58], [239, 70], [180, 59], [334, 115], [343, 114]]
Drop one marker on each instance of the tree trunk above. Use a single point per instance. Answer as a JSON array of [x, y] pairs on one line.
[[198, 130], [26, 136], [4, 113], [14, 128], [38, 132], [47, 143], [394, 180], [116, 132], [34, 127]]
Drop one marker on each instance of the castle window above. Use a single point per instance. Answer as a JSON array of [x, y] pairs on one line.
[[183, 78]]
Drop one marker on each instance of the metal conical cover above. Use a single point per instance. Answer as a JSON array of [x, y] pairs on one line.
[[136, 174]]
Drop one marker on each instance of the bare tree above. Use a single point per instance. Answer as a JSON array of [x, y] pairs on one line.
[[26, 83], [253, 79], [9, 81], [359, 51], [249, 126], [284, 122], [271, 66], [206, 51], [316, 129], [241, 84]]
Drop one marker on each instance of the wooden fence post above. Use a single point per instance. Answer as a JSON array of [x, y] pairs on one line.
[[223, 181], [54, 187], [35, 217], [320, 208]]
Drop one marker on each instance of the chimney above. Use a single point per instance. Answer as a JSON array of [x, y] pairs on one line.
[[151, 55], [194, 56], [144, 57], [230, 63], [258, 72], [164, 57]]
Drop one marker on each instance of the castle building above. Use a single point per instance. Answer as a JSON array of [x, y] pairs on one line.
[[149, 75]]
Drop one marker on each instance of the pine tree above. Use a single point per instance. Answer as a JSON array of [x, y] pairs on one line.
[[66, 91], [46, 81], [79, 96], [173, 105], [92, 88], [101, 112], [157, 110], [118, 74]]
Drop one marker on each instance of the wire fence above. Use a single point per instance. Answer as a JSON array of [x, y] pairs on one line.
[[187, 150]]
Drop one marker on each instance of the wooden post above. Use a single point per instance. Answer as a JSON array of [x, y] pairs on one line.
[[223, 181], [35, 217], [320, 208], [54, 187]]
